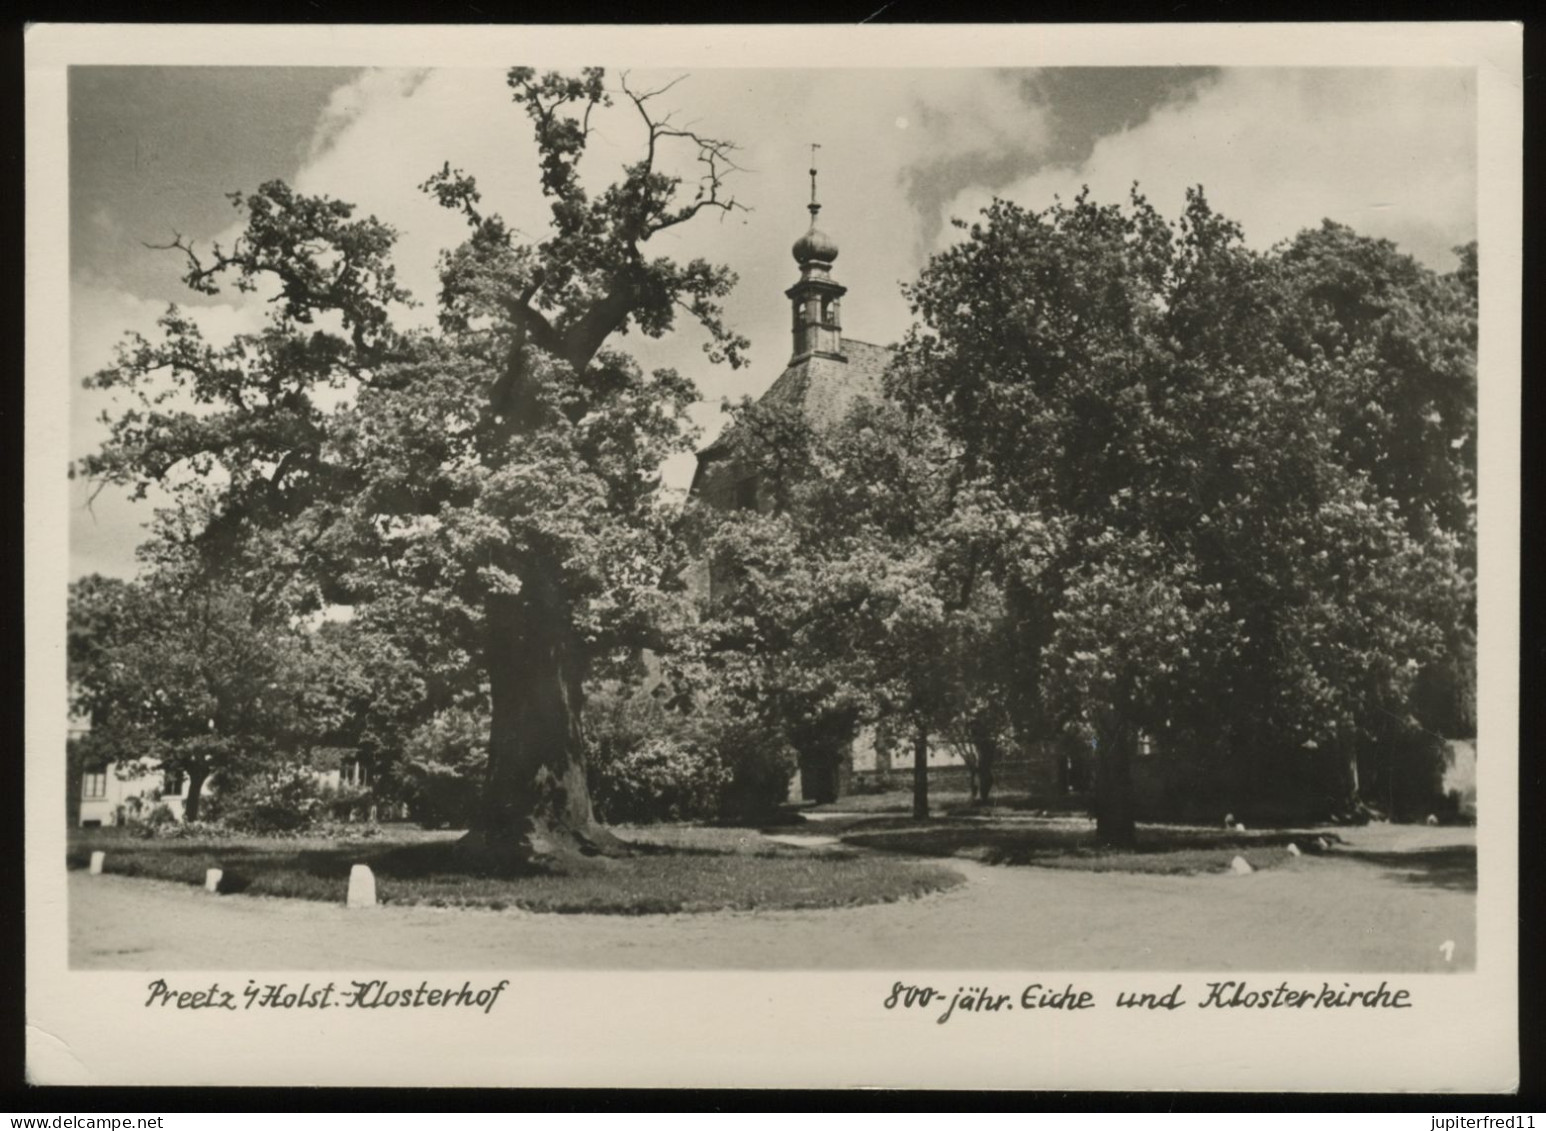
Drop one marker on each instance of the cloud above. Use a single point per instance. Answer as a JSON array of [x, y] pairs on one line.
[[105, 527], [385, 132], [1054, 115], [1390, 152], [351, 101], [102, 315]]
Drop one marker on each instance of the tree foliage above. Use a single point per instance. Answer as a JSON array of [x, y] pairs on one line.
[[486, 496], [188, 679], [1251, 469], [866, 591]]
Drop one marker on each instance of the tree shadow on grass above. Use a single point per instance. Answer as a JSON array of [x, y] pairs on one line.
[[691, 871], [281, 867], [1159, 850], [1450, 867], [953, 838], [439, 860]]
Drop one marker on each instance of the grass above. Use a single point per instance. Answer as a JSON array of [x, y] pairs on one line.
[[1160, 849], [1020, 830], [892, 801], [679, 869], [948, 802]]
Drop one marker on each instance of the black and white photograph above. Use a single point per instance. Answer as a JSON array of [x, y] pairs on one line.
[[915, 541]]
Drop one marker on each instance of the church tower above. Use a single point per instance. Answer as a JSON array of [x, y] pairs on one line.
[[816, 298], [825, 374]]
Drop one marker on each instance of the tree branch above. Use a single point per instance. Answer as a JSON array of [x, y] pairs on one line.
[[713, 154]]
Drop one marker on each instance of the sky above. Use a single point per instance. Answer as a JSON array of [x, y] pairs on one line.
[[153, 151]]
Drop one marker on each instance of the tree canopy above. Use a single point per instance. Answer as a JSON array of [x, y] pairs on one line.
[[487, 492], [1251, 466], [866, 590], [1130, 481], [190, 679], [1129, 478]]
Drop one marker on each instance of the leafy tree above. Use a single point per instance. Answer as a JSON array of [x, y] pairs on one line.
[[1220, 571], [749, 656], [867, 588], [443, 765], [493, 485], [1405, 407], [1404, 341], [186, 680], [382, 684]]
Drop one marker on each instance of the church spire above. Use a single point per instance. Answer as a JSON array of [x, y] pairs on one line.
[[814, 207], [818, 328]]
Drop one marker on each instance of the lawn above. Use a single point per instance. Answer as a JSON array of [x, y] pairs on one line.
[[678, 869], [946, 802], [1061, 842]]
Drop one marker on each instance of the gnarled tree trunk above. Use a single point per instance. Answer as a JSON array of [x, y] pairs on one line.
[[535, 810]]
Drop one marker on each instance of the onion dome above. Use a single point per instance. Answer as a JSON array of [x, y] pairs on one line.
[[815, 246]]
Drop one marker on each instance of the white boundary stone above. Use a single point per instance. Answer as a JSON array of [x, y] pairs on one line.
[[212, 880], [362, 887], [98, 859]]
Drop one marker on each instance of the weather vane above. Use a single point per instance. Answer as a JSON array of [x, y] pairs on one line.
[[814, 207]]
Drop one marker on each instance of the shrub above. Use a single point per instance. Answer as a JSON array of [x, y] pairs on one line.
[[643, 763], [443, 766], [661, 779], [345, 830], [1403, 773], [188, 830], [344, 803], [276, 801], [648, 762], [760, 764], [157, 822]]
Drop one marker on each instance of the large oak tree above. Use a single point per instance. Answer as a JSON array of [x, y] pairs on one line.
[[493, 485]]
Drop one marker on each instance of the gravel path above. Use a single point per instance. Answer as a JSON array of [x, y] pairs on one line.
[[1391, 909]]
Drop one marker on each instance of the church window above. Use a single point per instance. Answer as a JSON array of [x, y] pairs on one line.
[[95, 785]]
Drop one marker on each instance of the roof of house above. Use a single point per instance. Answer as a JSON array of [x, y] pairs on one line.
[[823, 387]]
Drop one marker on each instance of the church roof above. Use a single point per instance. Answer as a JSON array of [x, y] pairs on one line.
[[823, 387]]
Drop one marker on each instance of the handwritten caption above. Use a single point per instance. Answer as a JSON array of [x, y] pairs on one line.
[[967, 1000], [374, 994]]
